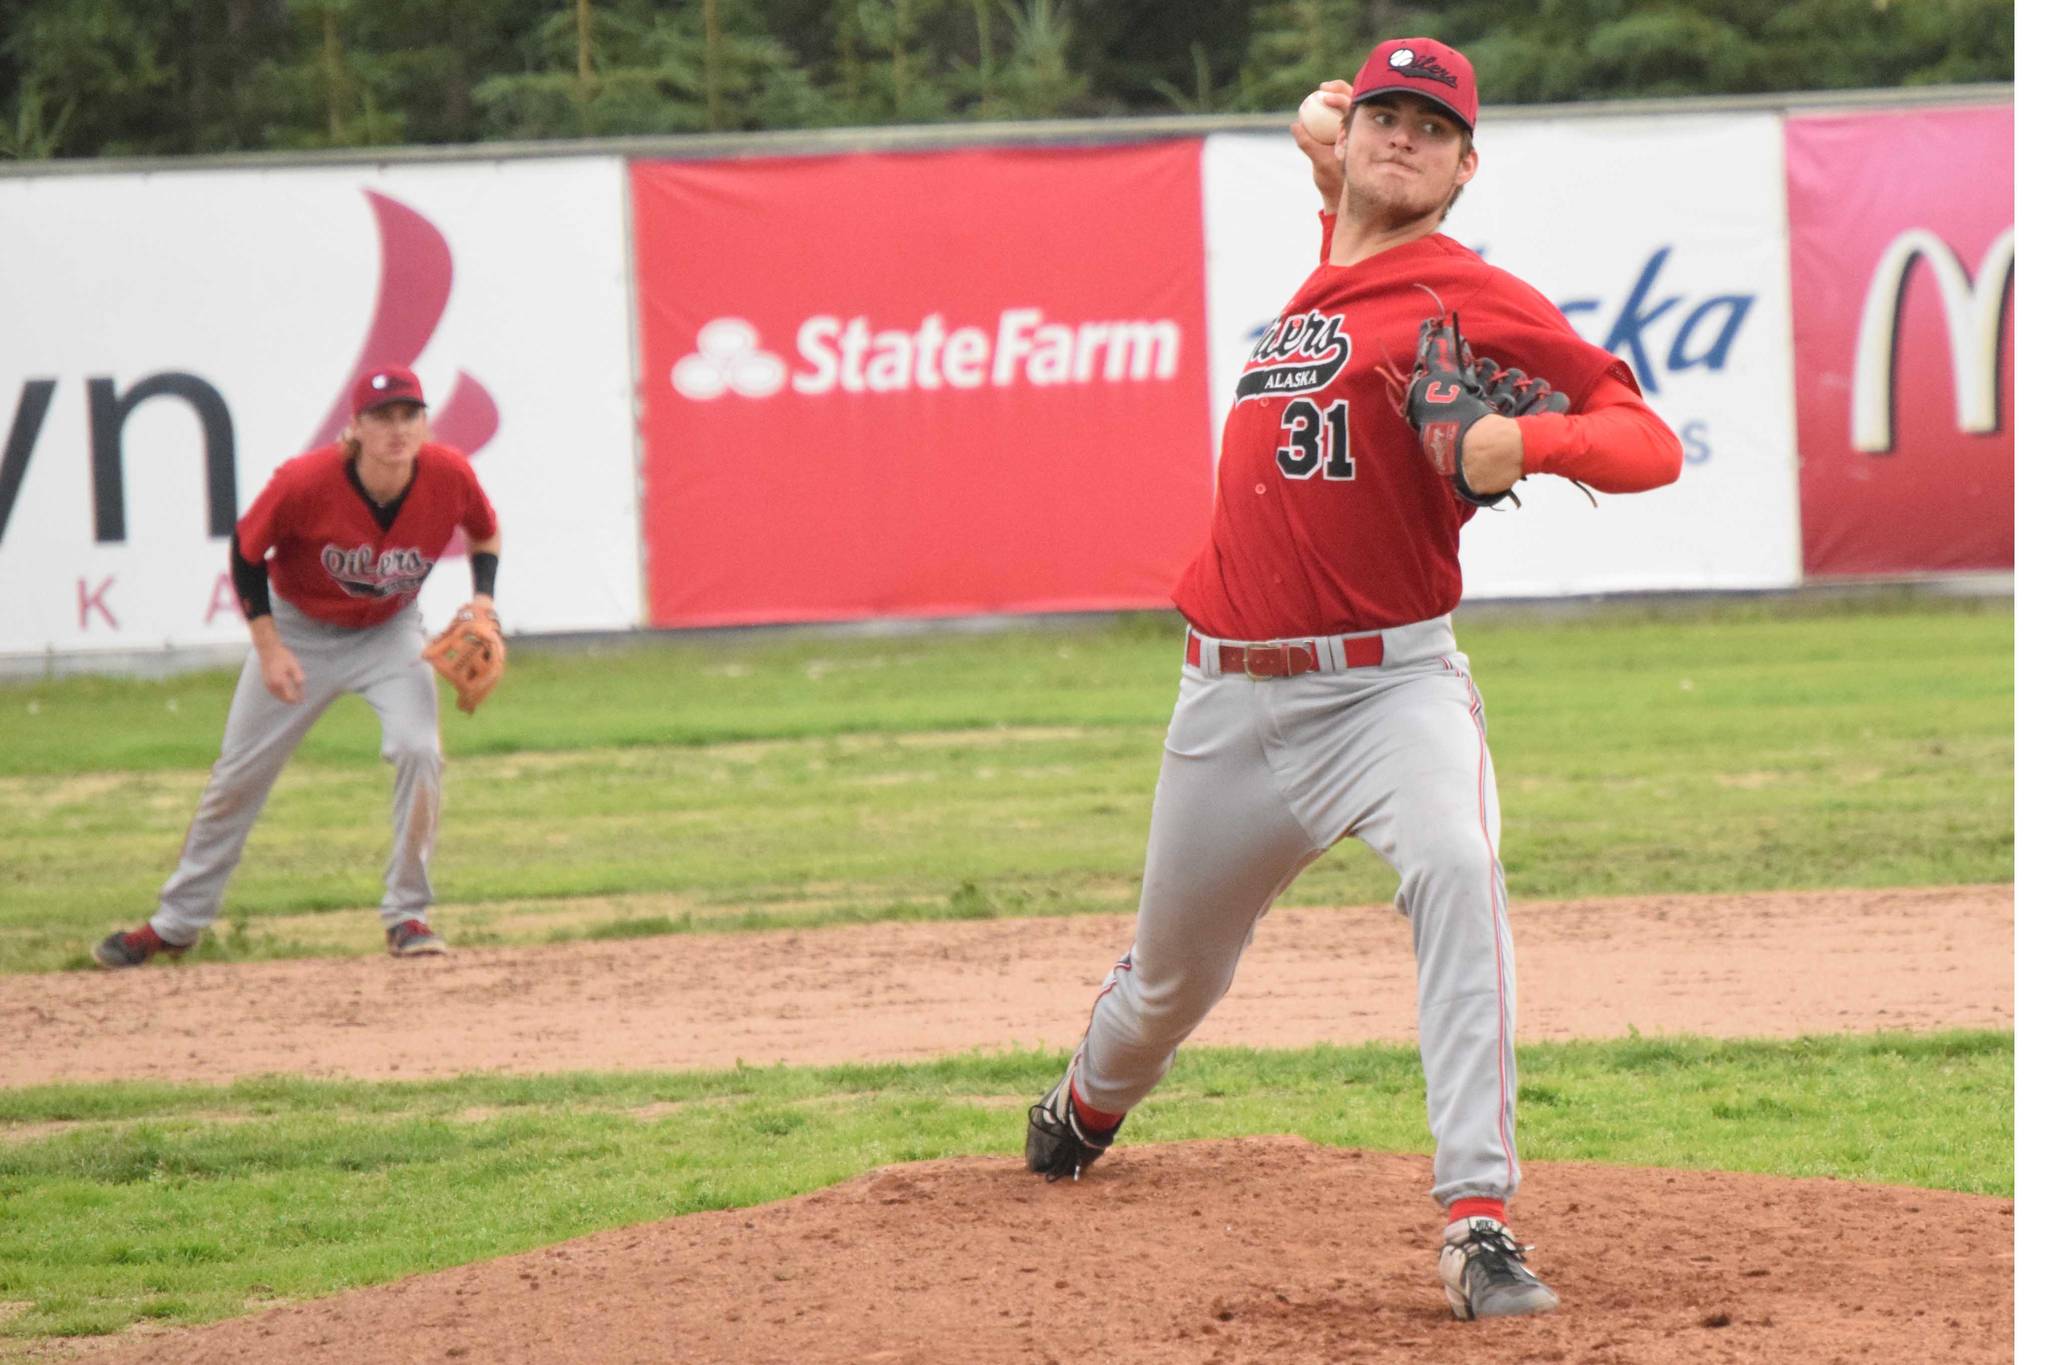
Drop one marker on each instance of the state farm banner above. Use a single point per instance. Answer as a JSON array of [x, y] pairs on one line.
[[1902, 260], [921, 384], [1663, 240], [166, 340]]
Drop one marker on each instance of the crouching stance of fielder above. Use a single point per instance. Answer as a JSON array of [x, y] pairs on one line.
[[351, 532], [1322, 695]]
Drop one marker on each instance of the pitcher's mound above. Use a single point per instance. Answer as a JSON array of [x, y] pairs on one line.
[[1268, 1249]]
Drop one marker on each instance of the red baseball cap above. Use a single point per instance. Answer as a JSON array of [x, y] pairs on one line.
[[1436, 71], [388, 384]]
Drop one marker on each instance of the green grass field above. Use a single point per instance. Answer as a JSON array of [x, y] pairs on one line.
[[700, 785], [191, 1203], [778, 780]]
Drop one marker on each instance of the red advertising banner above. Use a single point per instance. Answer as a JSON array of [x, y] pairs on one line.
[[1902, 257], [929, 384]]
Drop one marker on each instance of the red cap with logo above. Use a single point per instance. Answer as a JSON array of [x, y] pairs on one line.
[[1436, 71], [388, 384]]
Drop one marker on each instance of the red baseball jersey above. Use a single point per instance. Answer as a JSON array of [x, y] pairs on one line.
[[1327, 517], [332, 560]]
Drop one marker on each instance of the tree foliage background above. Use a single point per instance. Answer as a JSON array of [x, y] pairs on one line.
[[87, 78]]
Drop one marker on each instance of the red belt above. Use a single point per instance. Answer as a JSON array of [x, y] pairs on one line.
[[1286, 658]]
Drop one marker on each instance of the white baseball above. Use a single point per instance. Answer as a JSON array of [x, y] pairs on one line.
[[1323, 122]]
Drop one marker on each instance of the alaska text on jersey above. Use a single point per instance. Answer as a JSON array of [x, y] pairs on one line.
[[1299, 353]]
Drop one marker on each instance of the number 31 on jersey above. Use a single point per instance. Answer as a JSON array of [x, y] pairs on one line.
[[1317, 440]]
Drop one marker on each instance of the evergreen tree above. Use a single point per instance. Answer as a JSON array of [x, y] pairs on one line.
[[1295, 46], [634, 67], [1035, 80], [165, 77]]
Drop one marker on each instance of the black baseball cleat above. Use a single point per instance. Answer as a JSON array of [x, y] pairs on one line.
[[133, 948], [1483, 1274], [1057, 1145]]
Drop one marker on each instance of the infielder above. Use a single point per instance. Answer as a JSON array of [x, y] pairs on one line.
[[350, 532], [1322, 694]]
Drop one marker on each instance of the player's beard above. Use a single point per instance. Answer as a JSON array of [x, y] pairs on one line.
[[1368, 206]]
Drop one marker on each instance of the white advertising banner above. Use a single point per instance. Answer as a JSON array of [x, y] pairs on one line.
[[167, 340], [1663, 239]]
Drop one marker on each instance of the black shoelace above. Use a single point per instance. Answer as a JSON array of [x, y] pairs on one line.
[[1499, 1255]]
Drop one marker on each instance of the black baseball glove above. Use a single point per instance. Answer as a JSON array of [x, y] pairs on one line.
[[1514, 394], [1448, 390]]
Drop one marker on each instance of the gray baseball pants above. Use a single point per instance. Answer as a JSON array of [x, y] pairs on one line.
[[383, 664], [1260, 778]]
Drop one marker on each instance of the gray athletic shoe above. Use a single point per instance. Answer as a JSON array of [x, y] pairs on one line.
[[413, 939], [132, 949], [1056, 1143], [1483, 1273]]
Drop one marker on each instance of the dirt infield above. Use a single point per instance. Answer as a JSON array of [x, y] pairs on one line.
[[1177, 1254], [1721, 966]]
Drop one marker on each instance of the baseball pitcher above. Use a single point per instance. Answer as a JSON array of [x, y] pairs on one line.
[[344, 535], [1323, 696]]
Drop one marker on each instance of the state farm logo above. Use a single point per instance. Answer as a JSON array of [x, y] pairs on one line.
[[728, 359], [851, 355], [1974, 312]]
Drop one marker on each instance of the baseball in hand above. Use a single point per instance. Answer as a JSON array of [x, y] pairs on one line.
[[1323, 122]]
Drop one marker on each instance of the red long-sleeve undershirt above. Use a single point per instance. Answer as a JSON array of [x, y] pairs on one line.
[[1613, 443]]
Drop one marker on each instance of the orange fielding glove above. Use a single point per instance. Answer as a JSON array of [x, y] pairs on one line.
[[470, 654]]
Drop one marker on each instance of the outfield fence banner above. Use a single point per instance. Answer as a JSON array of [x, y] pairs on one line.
[[921, 384], [1902, 261], [954, 382], [171, 338], [1663, 240]]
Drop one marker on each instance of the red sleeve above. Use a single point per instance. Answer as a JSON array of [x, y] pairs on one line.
[[258, 530], [479, 518], [1329, 221], [1516, 327], [1614, 442]]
